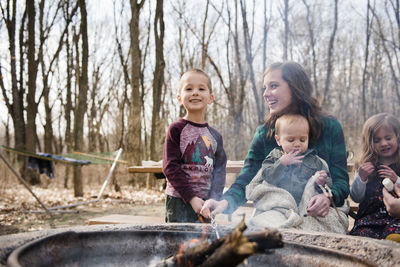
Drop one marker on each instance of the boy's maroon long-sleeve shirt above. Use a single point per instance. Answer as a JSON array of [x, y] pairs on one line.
[[194, 161]]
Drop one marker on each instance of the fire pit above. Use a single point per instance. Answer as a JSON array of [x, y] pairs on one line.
[[143, 245]]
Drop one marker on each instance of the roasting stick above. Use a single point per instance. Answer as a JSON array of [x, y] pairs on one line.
[[214, 226]]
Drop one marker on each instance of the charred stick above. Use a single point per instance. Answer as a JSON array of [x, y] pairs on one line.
[[229, 250]]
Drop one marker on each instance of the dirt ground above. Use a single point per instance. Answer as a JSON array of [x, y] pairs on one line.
[[21, 212]]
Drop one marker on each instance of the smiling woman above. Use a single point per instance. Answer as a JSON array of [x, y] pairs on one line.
[[277, 93], [288, 90]]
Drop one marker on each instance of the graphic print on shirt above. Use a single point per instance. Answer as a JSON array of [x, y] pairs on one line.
[[198, 147], [198, 155]]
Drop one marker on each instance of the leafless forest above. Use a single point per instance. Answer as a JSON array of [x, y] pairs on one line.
[[94, 76]]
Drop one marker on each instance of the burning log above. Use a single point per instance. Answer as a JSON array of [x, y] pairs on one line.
[[229, 250]]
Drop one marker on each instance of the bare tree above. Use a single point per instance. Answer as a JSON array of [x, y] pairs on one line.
[[158, 80], [32, 105], [287, 29], [134, 143], [14, 103], [47, 71], [81, 107], [234, 87], [248, 40], [123, 59], [313, 47], [182, 43], [390, 43], [265, 38], [366, 55], [330, 54]]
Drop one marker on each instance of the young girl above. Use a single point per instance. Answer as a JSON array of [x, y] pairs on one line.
[[380, 159]]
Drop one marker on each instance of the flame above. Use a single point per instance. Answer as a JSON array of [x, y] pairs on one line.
[[189, 243]]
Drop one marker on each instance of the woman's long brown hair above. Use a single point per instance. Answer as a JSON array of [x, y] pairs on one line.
[[303, 102]]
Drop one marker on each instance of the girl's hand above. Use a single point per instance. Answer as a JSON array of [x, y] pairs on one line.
[[196, 204], [318, 206], [392, 204], [321, 177], [215, 206], [365, 170], [291, 158], [387, 172]]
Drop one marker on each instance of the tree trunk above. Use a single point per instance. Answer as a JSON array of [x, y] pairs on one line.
[[330, 56], [133, 139], [158, 81], [312, 46], [68, 108], [250, 58], [32, 106], [286, 33], [81, 108], [366, 55], [14, 105]]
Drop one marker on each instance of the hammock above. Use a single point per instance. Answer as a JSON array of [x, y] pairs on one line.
[[49, 210], [75, 158]]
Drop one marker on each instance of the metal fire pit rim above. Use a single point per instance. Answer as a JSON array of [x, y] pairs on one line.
[[332, 252], [13, 261]]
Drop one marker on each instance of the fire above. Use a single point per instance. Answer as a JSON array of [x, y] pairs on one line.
[[191, 243]]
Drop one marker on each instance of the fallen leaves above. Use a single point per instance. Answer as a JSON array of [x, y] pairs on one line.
[[18, 208]]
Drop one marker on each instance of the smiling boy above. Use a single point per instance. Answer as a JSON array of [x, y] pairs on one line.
[[194, 159]]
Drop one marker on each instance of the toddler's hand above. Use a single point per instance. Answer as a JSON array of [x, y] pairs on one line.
[[365, 170], [387, 172], [321, 177], [197, 204], [291, 158]]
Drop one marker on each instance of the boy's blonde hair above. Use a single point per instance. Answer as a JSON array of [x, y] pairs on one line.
[[371, 126], [290, 119], [199, 71]]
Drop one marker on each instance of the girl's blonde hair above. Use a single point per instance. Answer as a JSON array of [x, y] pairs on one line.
[[371, 126]]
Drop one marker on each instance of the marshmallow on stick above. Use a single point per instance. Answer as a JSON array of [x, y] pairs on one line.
[[388, 184]]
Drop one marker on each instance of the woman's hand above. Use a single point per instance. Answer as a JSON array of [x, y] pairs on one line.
[[387, 172], [214, 206], [365, 170], [392, 204], [291, 158], [318, 206], [196, 204]]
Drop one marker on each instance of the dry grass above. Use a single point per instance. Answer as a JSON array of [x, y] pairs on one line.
[[20, 212]]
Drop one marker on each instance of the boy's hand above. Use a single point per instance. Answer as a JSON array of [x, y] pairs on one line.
[[291, 158], [387, 172], [365, 170], [214, 206], [197, 204], [321, 177]]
